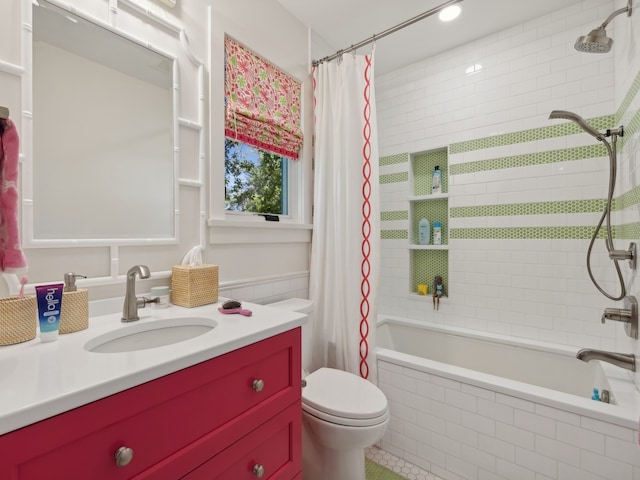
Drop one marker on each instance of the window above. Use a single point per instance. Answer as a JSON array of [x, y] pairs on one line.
[[262, 130], [256, 181]]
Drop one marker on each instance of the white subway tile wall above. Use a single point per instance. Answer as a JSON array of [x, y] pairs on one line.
[[459, 431], [525, 194], [533, 284]]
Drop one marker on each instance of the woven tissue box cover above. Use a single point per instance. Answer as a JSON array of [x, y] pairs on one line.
[[192, 286]]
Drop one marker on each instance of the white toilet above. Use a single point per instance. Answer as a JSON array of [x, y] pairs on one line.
[[341, 414]]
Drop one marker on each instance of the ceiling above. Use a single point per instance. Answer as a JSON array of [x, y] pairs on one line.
[[342, 23]]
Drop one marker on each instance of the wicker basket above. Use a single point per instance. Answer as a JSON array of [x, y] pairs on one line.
[[74, 315], [192, 286], [18, 319]]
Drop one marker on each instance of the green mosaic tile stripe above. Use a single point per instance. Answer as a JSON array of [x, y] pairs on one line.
[[422, 166], [541, 208], [426, 265], [552, 131], [629, 231], [394, 178], [628, 98], [529, 159], [397, 215], [546, 233], [394, 234], [394, 159], [629, 130], [629, 199], [632, 125]]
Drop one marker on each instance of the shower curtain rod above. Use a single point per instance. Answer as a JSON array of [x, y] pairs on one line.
[[389, 31]]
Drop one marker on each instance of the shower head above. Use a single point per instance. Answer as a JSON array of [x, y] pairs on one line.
[[574, 117], [597, 40]]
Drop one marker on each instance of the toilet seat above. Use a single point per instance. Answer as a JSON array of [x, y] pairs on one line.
[[343, 398], [343, 421]]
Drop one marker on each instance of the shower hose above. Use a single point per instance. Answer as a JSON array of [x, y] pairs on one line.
[[606, 215]]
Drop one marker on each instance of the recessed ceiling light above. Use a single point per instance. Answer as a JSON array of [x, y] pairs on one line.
[[449, 13]]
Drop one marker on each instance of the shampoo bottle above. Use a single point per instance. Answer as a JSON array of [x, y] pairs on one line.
[[437, 233], [436, 180], [424, 232]]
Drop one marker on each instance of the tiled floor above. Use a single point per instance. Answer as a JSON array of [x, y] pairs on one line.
[[398, 465]]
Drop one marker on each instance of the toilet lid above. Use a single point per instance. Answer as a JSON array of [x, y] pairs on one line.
[[299, 305], [341, 394]]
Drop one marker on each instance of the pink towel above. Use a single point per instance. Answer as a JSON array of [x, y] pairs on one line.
[[11, 255]]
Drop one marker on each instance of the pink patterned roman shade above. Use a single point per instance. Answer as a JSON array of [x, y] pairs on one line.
[[262, 103]]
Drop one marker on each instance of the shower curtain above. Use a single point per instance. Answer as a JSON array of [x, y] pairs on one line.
[[345, 249]]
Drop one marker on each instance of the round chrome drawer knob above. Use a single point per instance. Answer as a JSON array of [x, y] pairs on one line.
[[258, 470], [123, 455], [258, 385]]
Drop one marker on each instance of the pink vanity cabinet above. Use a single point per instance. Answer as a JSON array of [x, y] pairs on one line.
[[234, 417]]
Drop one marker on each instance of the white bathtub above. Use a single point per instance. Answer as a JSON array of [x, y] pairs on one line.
[[466, 404]]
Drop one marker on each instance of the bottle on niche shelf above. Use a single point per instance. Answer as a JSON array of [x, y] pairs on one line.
[[424, 232], [436, 180], [437, 233]]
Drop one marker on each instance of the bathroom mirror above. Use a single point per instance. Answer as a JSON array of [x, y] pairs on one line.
[[103, 133]]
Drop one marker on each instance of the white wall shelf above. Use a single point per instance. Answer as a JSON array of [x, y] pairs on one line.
[[428, 247], [423, 198], [428, 297]]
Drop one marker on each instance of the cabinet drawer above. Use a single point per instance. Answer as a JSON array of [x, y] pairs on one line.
[[274, 449], [161, 417]]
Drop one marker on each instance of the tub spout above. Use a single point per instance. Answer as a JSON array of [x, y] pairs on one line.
[[622, 360]]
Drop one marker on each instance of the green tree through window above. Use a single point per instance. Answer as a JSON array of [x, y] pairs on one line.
[[255, 180]]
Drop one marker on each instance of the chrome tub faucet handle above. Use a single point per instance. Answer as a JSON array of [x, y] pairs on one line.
[[627, 315]]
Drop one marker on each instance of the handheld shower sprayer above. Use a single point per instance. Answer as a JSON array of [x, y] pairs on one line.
[[614, 255], [574, 117]]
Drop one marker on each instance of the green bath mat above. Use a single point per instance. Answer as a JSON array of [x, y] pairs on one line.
[[376, 472]]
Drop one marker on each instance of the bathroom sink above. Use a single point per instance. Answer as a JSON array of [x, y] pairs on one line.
[[157, 333]]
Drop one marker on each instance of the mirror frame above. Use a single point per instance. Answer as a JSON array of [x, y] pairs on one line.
[[180, 44]]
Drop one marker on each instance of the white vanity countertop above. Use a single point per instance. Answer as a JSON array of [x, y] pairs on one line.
[[39, 380]]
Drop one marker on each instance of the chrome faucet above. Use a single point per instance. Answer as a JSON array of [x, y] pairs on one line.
[[622, 360], [131, 302]]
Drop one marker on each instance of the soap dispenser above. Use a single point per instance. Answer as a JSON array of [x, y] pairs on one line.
[[74, 314]]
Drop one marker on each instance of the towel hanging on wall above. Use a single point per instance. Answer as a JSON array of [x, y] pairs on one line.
[[11, 255]]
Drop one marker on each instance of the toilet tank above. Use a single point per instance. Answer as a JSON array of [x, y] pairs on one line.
[[301, 305]]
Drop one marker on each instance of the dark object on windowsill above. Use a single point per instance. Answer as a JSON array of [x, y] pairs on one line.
[[270, 218]]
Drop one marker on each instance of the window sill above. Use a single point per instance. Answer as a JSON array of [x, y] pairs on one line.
[[249, 232]]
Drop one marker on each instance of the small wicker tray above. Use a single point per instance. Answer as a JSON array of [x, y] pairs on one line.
[[192, 286], [18, 319]]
